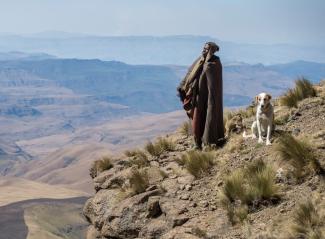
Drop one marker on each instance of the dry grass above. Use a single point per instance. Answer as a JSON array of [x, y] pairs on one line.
[[185, 129], [281, 120], [197, 163], [262, 184], [245, 113], [289, 99], [199, 232], [160, 146], [307, 223], [303, 89], [235, 144], [298, 153], [139, 181], [248, 112], [234, 187], [246, 188], [100, 165], [131, 153], [138, 158], [163, 174]]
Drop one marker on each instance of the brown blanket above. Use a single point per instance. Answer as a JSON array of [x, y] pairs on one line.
[[207, 120]]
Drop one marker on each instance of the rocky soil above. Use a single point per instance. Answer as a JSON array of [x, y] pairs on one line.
[[176, 205]]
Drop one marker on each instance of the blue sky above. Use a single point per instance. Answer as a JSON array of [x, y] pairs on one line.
[[247, 21]]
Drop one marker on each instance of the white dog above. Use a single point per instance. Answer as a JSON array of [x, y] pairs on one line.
[[263, 125]]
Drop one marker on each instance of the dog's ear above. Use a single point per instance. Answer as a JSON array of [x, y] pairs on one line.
[[256, 98], [269, 97]]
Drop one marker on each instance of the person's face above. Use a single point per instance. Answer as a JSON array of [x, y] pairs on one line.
[[205, 50]]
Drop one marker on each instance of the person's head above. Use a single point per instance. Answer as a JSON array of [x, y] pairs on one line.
[[210, 48]]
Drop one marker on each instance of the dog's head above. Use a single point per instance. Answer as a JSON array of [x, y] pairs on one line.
[[235, 124], [263, 100]]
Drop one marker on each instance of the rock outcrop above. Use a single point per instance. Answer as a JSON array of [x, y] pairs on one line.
[[177, 205]]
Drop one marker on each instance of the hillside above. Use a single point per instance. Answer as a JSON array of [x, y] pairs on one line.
[[68, 156], [43, 218], [51, 107], [139, 87], [22, 189], [243, 190]]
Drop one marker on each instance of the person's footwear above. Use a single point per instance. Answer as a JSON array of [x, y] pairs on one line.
[[221, 142]]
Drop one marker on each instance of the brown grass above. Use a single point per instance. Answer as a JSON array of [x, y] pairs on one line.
[[131, 153], [307, 222], [138, 158], [245, 113], [197, 163], [160, 146], [281, 120], [235, 144], [298, 153], [246, 187], [185, 129], [303, 89], [100, 165], [139, 181]]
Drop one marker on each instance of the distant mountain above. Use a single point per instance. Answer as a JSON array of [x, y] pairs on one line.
[[145, 88], [140, 87], [10, 154], [29, 102], [180, 50], [311, 70], [16, 55], [59, 110]]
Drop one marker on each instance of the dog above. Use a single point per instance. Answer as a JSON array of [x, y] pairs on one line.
[[234, 125], [264, 123]]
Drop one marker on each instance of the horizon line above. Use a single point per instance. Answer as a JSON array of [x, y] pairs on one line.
[[90, 35]]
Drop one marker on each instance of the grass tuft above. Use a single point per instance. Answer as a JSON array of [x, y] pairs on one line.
[[100, 165], [281, 120], [303, 89], [298, 153], [197, 163], [247, 188], [199, 232], [160, 146], [307, 222], [234, 188], [290, 99], [139, 181], [185, 129], [262, 185], [138, 158], [131, 153]]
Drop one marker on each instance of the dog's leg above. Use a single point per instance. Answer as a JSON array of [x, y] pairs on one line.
[[260, 139], [254, 130], [269, 130]]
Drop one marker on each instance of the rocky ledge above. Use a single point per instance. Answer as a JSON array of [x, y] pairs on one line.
[[154, 195]]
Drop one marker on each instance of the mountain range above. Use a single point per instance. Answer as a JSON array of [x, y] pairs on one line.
[[60, 110], [180, 50], [52, 106]]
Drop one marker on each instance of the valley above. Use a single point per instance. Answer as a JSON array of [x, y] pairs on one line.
[[58, 116]]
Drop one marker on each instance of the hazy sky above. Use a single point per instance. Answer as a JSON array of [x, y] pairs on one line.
[[249, 21]]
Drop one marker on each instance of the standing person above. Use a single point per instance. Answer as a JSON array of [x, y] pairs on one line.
[[201, 94]]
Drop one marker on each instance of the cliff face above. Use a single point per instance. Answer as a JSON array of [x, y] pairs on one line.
[[165, 196]]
